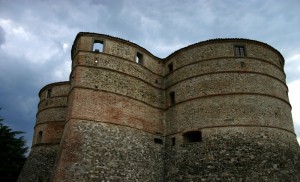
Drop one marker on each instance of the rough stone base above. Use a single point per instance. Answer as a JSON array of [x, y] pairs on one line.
[[39, 164], [236, 154], [93, 151]]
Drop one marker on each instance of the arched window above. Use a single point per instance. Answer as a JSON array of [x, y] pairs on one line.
[[192, 136], [39, 137]]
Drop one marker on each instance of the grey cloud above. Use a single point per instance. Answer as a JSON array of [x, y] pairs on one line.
[[2, 36]]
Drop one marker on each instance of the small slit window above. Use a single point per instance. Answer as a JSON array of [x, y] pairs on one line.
[[170, 66], [172, 98], [173, 140], [239, 51], [48, 93], [192, 136], [158, 141], [98, 46], [139, 58], [39, 137]]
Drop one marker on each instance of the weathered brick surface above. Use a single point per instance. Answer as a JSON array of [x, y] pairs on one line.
[[58, 89], [111, 108], [128, 67], [51, 114], [227, 83], [60, 101], [122, 49], [222, 49], [116, 121], [229, 111], [105, 80], [216, 65], [52, 132]]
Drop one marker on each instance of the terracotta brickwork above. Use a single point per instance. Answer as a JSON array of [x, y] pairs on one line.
[[216, 110]]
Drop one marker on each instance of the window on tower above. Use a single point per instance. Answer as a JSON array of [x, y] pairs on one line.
[[98, 46], [239, 51], [39, 137], [139, 58]]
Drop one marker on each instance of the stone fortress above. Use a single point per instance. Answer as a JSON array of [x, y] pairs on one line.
[[217, 110]]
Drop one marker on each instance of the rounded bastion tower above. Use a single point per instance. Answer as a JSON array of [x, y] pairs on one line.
[[50, 120], [216, 110], [228, 116], [114, 129]]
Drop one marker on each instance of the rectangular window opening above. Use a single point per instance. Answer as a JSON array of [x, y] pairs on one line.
[[39, 137], [239, 51], [158, 141], [173, 139], [170, 66], [48, 94], [98, 46], [139, 58], [192, 136], [172, 98]]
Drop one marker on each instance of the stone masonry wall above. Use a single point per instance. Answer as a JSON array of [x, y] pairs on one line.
[[39, 164], [107, 152], [235, 154]]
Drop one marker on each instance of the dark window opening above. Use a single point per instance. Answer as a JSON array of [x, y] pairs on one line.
[[48, 94], [139, 58], [158, 141], [172, 98], [239, 51], [40, 179], [243, 64], [170, 66], [98, 46], [39, 137], [173, 139], [192, 136]]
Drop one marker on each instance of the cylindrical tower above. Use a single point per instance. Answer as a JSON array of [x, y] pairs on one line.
[[228, 115], [114, 129], [47, 132]]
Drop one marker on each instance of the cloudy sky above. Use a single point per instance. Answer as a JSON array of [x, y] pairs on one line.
[[36, 37]]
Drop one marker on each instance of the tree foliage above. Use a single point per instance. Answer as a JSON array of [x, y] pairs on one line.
[[12, 152]]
